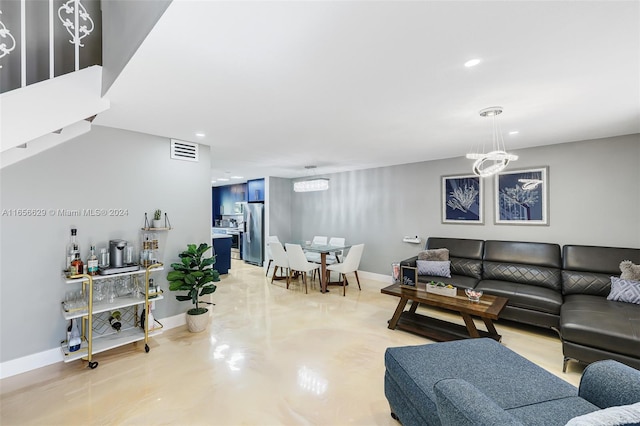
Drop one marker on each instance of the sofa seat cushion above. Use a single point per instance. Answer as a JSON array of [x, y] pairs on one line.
[[555, 412], [504, 376], [524, 296], [597, 322], [460, 281]]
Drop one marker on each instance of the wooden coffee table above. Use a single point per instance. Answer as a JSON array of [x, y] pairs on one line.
[[488, 308]]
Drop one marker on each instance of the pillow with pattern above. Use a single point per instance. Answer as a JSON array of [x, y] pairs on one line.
[[434, 254], [436, 268], [624, 290]]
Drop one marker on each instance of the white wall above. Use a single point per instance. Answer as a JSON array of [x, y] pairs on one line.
[[103, 169], [594, 199]]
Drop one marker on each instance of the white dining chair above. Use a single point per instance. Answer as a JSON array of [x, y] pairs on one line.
[[299, 263], [280, 260], [270, 239], [313, 256], [335, 257], [351, 264]]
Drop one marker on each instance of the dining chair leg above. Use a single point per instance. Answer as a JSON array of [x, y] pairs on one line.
[[288, 271], [344, 285], [268, 266], [357, 279], [304, 280], [289, 278], [275, 269]]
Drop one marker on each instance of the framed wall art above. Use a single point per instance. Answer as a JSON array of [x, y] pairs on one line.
[[462, 199], [522, 197]]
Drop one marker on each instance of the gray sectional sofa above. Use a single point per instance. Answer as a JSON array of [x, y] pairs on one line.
[[480, 382], [562, 289]]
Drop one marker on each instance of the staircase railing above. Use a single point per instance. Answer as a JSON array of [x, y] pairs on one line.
[[40, 39]]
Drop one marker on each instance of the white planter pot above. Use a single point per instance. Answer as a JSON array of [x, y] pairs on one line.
[[158, 223], [197, 323]]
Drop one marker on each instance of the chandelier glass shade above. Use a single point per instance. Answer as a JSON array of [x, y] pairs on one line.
[[494, 161], [309, 185]]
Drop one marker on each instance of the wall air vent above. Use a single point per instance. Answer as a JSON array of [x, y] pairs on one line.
[[181, 150]]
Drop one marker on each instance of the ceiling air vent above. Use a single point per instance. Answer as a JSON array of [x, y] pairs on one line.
[[181, 150]]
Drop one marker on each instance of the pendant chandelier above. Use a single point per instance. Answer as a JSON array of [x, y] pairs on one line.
[[311, 184], [494, 161]]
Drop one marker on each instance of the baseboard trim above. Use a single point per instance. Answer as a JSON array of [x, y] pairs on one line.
[[374, 276], [52, 356]]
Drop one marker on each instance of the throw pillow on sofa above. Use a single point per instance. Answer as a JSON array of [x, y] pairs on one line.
[[629, 270], [434, 254], [434, 267], [612, 416], [624, 290]]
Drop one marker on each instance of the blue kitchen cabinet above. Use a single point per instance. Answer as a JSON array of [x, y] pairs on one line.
[[215, 204], [255, 190], [222, 250], [229, 195]]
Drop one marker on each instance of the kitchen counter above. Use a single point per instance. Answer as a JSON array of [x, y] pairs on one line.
[[221, 230], [216, 236]]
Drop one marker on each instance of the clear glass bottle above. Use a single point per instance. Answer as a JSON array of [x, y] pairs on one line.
[[72, 248], [92, 262], [75, 341]]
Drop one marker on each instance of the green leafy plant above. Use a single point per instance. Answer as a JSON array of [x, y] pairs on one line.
[[157, 214], [194, 274]]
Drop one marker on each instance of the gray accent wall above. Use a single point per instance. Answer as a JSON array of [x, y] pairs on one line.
[[126, 23], [279, 211], [104, 169], [594, 199]]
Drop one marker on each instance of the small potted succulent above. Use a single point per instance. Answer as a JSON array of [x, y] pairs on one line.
[[195, 275], [157, 219]]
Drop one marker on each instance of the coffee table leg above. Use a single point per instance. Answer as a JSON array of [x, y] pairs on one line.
[[471, 327], [490, 327], [396, 315], [413, 307]]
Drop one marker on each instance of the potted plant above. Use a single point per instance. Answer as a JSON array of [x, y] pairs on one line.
[[157, 222], [195, 275]]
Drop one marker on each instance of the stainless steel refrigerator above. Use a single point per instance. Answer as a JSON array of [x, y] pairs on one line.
[[253, 236]]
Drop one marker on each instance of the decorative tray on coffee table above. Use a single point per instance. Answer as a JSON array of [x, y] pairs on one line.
[[441, 289]]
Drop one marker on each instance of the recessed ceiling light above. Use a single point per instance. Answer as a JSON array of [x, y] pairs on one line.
[[223, 179], [200, 135], [472, 63], [237, 177], [514, 132], [213, 181]]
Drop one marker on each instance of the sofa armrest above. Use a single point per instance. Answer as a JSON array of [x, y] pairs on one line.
[[460, 403], [609, 383], [409, 262]]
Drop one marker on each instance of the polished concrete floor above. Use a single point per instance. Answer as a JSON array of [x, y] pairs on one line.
[[270, 356]]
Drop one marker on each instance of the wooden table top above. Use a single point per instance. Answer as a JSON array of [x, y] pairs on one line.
[[488, 307]]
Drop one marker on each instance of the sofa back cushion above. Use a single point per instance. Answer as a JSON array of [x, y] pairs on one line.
[[465, 255], [588, 269], [523, 262]]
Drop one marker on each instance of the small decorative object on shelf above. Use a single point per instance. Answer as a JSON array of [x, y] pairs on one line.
[[157, 216], [441, 289], [473, 295], [157, 223]]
